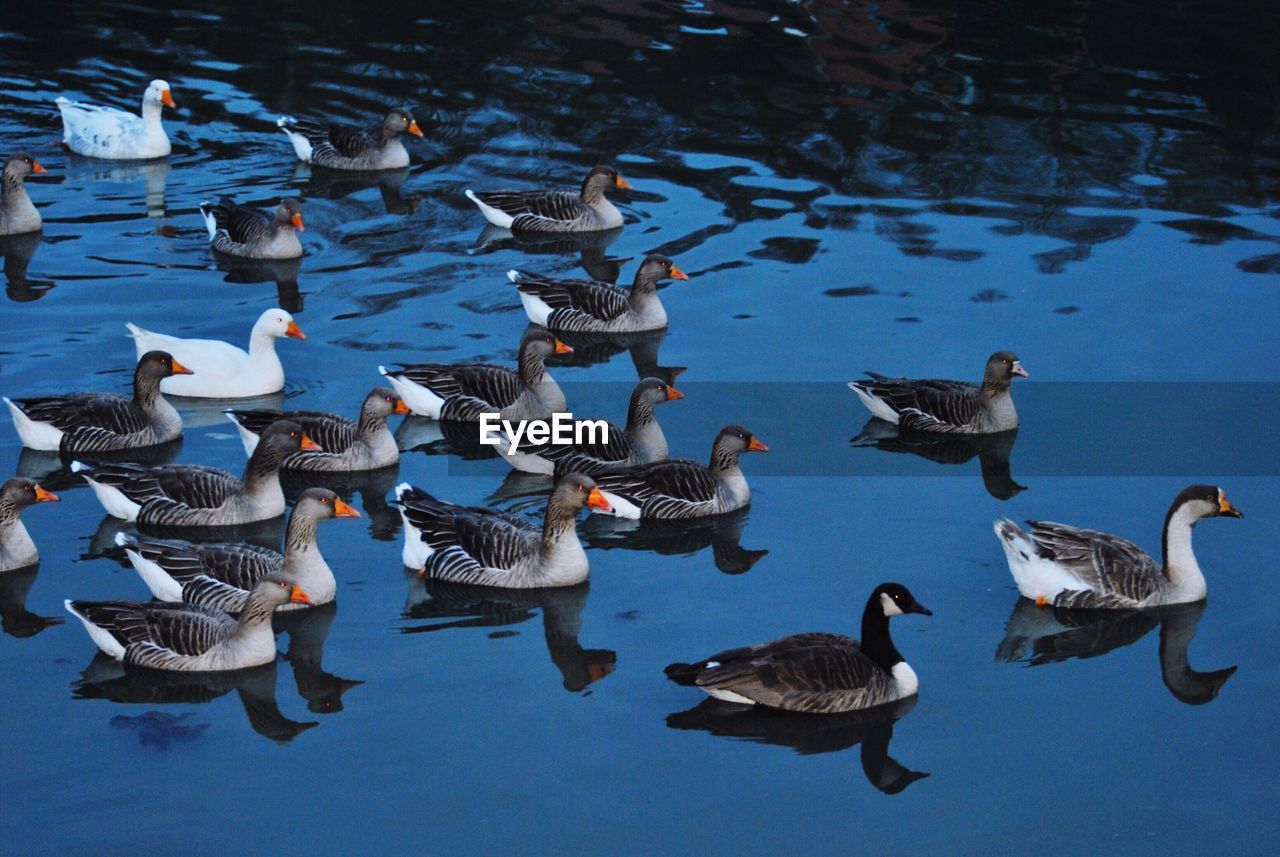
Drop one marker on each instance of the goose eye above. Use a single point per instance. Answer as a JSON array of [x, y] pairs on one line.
[[293, 434], [282, 584]]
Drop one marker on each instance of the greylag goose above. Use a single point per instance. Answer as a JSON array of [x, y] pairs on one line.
[[103, 422], [1065, 566], [555, 210], [18, 214], [186, 638], [186, 495], [584, 306], [343, 147], [816, 673], [16, 548], [364, 445], [107, 132], [462, 392], [238, 230], [222, 575], [221, 370], [486, 547], [681, 488], [642, 441], [947, 406]]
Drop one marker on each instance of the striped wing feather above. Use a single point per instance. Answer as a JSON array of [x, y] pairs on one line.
[[233, 563], [928, 405], [537, 210], [677, 478], [490, 537], [496, 385], [598, 300], [179, 628], [333, 140], [334, 433], [102, 410], [243, 224], [1110, 567]]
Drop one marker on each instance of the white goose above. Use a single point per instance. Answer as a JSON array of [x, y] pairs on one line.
[[108, 132], [221, 370]]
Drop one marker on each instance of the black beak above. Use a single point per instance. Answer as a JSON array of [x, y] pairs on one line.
[[1233, 512], [917, 607]]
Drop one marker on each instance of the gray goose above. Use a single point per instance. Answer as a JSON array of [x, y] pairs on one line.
[[642, 441], [81, 423], [187, 495], [238, 230], [585, 306], [555, 210], [1066, 566], [462, 392], [186, 638], [16, 548], [348, 446], [681, 488], [222, 575], [486, 547], [343, 147], [947, 406], [17, 213], [817, 673]]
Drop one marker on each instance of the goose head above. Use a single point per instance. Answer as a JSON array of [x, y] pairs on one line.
[[22, 492], [275, 323], [278, 589], [159, 364], [321, 504], [289, 213], [731, 442], [22, 164], [575, 491], [382, 402], [540, 344], [400, 122], [894, 599], [655, 391], [1203, 501], [158, 92], [1001, 367], [657, 267], [284, 437], [603, 178]]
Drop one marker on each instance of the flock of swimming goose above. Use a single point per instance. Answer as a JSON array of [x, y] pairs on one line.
[[216, 600]]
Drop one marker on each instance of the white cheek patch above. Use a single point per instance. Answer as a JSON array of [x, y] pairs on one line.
[[712, 665], [889, 606]]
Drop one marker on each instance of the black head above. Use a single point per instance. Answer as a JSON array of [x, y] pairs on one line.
[[603, 178], [320, 504], [734, 440], [1003, 365], [1204, 501], [23, 492], [160, 364], [400, 121], [895, 599], [383, 402], [574, 490], [23, 164], [655, 391]]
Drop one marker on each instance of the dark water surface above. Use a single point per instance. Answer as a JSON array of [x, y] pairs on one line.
[[906, 187]]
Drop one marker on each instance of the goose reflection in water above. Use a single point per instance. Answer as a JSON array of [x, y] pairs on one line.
[[809, 734], [590, 349], [282, 272], [308, 630], [448, 437], [15, 619], [723, 533], [55, 469], [992, 450], [17, 251], [1043, 635], [106, 678], [153, 175], [590, 247], [267, 534], [454, 605], [322, 183]]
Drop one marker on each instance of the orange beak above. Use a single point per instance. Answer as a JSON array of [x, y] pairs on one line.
[[43, 496], [179, 369], [297, 222], [673, 393], [297, 596], [561, 348], [344, 510], [166, 98], [294, 331], [623, 184], [677, 274], [596, 501], [756, 446], [309, 445], [36, 168], [598, 671], [414, 129], [401, 407]]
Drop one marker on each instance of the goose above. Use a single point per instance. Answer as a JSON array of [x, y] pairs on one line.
[[103, 422], [18, 215], [187, 638], [641, 442], [221, 370], [222, 575], [681, 488], [238, 230], [816, 673], [1066, 566], [947, 406], [343, 147], [585, 306], [185, 495], [462, 392], [555, 210], [364, 445], [16, 548], [486, 547], [107, 132]]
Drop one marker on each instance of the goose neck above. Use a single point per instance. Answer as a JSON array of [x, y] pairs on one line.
[[876, 642], [1179, 560]]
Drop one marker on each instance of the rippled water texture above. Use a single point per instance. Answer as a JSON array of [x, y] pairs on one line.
[[902, 186]]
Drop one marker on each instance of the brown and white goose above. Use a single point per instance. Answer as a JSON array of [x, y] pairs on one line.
[[238, 230], [585, 306], [1066, 566], [347, 445], [187, 638], [81, 423], [344, 147], [680, 488], [555, 210], [16, 548], [817, 673], [462, 392], [18, 214], [947, 406], [188, 495], [486, 547], [223, 575]]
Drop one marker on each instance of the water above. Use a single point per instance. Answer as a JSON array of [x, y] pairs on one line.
[[903, 187]]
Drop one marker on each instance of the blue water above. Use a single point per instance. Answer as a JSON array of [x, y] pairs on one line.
[[900, 187]]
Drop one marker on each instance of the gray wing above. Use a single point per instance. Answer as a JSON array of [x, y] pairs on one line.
[[243, 224], [178, 628], [108, 411], [334, 433], [497, 386], [1111, 567], [538, 210], [661, 485], [488, 538], [926, 405], [601, 301]]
